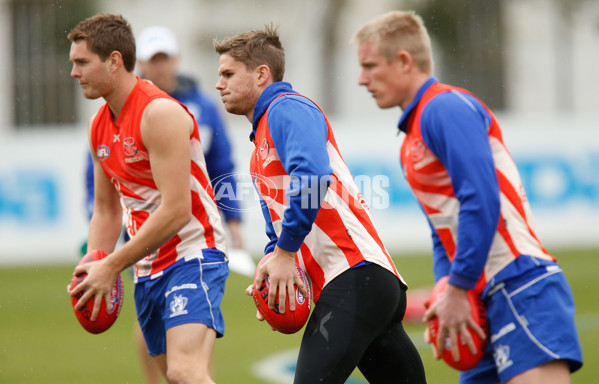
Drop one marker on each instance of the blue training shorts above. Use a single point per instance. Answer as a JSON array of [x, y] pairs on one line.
[[190, 291], [531, 322]]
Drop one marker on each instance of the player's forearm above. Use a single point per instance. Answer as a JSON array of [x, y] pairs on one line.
[[104, 230], [162, 225]]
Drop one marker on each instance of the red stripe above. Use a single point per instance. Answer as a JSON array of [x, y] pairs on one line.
[[275, 194], [513, 196], [431, 181], [201, 215], [429, 210], [448, 243], [360, 213], [329, 221], [274, 216], [446, 190], [274, 168], [167, 255], [129, 193], [199, 212], [314, 271], [506, 237], [199, 175], [138, 218]]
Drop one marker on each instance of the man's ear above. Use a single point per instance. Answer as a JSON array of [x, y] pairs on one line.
[[115, 60], [404, 60], [263, 73]]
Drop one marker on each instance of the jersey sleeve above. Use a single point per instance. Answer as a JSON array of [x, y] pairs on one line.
[[299, 132], [270, 232], [454, 126]]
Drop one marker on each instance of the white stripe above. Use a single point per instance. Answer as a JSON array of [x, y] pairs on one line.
[[148, 205], [464, 99], [550, 271], [503, 331], [525, 327], [355, 229], [321, 247], [205, 289], [195, 255], [156, 275], [340, 170], [450, 206]]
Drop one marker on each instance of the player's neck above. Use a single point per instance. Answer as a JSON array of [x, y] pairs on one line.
[[118, 97], [417, 82]]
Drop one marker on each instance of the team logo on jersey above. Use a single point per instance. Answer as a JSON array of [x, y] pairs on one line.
[[129, 147], [264, 149], [102, 152], [417, 150], [178, 305]]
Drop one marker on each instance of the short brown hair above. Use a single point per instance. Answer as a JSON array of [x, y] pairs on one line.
[[106, 33], [255, 48], [397, 31]]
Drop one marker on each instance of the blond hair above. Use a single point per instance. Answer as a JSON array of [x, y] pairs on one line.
[[397, 31]]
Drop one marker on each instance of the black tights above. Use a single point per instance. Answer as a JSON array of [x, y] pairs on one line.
[[357, 323]]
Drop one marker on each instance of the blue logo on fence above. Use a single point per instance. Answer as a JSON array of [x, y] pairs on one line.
[[29, 197]]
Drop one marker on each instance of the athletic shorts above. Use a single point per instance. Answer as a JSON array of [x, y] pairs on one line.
[[190, 291], [531, 322]]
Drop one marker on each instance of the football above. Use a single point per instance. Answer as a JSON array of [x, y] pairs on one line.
[[290, 321], [467, 359], [105, 319]]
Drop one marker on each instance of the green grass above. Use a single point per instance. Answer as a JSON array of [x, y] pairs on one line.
[[41, 341]]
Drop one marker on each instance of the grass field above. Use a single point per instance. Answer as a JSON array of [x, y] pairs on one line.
[[41, 341]]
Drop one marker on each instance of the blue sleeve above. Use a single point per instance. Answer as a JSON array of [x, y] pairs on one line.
[[299, 132], [89, 185], [454, 126], [270, 230], [219, 162]]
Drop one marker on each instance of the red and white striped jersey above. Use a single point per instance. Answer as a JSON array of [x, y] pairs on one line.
[[434, 182], [342, 235], [125, 160]]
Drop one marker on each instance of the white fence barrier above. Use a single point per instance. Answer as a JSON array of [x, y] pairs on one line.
[[42, 216]]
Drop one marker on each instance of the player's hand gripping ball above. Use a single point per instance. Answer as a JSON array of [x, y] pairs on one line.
[[479, 314], [290, 321], [105, 319]]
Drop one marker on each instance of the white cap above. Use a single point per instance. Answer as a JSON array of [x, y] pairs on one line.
[[156, 39]]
